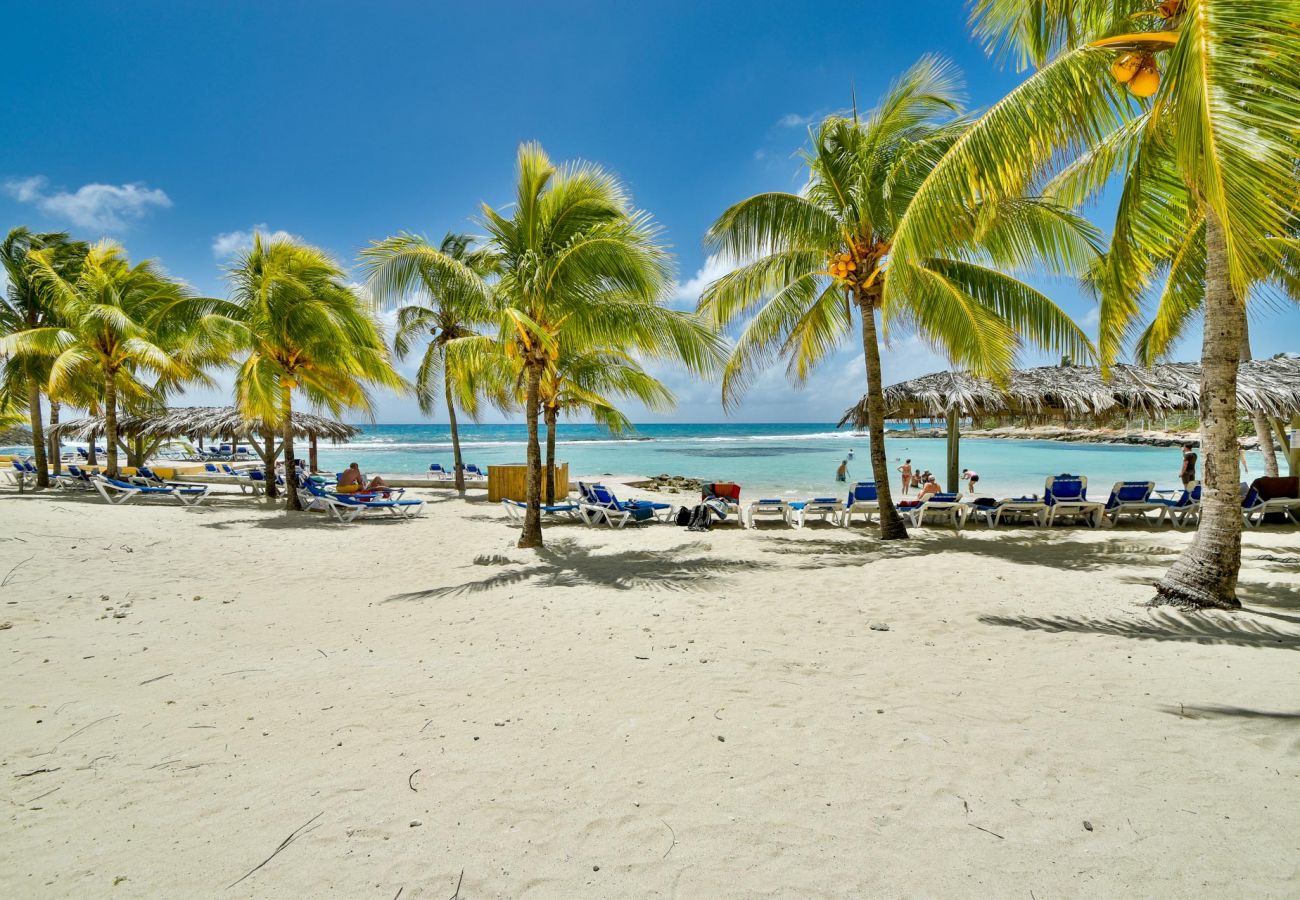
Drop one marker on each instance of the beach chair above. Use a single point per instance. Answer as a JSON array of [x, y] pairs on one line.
[[822, 507], [1183, 509], [1133, 498], [438, 472], [348, 507], [946, 507], [473, 471], [769, 508], [724, 497], [1263, 497], [599, 505], [1066, 496], [862, 501], [1015, 509], [74, 479], [117, 492], [515, 510]]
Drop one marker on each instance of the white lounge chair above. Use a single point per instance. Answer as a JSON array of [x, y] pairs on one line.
[[946, 507], [1133, 498], [119, 492], [1010, 510], [515, 510], [1184, 509], [822, 507], [1067, 497], [769, 508], [862, 501]]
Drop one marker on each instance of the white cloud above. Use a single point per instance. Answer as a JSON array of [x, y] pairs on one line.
[[228, 243], [793, 120], [687, 294], [101, 207]]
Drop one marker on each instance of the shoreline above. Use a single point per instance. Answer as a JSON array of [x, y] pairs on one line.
[[1066, 435]]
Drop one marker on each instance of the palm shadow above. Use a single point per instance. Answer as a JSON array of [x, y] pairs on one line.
[[1222, 630], [564, 563], [1223, 712]]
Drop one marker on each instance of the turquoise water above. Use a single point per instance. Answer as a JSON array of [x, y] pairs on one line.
[[767, 460], [779, 460]]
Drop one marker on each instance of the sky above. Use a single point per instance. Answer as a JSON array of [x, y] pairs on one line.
[[179, 128]]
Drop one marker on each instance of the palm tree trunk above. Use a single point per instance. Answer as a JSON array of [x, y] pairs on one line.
[[110, 424], [456, 464], [552, 419], [1262, 429], [56, 458], [92, 457], [891, 524], [532, 534], [290, 462], [1205, 576], [38, 434]]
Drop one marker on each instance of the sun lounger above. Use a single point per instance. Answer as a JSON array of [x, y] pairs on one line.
[[1015, 509], [946, 507], [438, 472], [117, 492], [347, 507], [724, 496], [1183, 509], [1261, 499], [862, 501], [599, 505], [474, 471], [1133, 498], [1067, 497], [822, 507], [769, 508], [515, 510]]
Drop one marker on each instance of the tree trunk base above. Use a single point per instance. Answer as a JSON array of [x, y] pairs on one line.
[[1191, 601], [894, 530], [529, 542]]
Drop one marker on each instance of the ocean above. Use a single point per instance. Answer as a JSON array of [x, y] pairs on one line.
[[777, 460]]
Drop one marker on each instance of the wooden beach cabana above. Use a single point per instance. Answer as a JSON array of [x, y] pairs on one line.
[[141, 434], [1268, 386]]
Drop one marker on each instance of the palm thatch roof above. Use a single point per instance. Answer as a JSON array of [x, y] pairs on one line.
[[1270, 386], [201, 421]]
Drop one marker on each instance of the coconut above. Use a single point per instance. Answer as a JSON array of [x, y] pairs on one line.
[[1125, 67], [1145, 83]]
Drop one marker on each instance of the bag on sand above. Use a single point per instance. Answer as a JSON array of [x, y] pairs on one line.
[[701, 519], [683, 515]]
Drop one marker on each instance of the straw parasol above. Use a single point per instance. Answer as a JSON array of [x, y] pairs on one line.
[[1268, 386], [194, 422]]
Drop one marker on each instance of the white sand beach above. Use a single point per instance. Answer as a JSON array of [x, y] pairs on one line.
[[639, 713]]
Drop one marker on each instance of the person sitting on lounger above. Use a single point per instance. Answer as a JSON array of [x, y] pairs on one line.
[[930, 487], [352, 481]]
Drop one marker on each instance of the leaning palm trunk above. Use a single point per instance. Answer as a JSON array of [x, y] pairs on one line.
[[891, 524], [56, 461], [290, 462], [1205, 576], [1263, 428], [552, 419], [457, 466], [110, 425], [532, 534], [38, 435]]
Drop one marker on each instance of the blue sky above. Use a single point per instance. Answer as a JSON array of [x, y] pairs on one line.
[[176, 128]]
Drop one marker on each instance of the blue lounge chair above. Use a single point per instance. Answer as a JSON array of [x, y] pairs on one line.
[[474, 471], [437, 471], [347, 507], [1133, 498], [601, 506], [1254, 507], [944, 506], [117, 492], [1016, 508], [1067, 496], [1184, 508], [822, 507], [769, 508], [515, 510], [862, 501]]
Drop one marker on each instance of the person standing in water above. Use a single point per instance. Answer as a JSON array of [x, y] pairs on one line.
[[972, 478], [906, 469], [842, 473], [1188, 473]]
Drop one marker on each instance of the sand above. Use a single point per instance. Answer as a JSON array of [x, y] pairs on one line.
[[639, 713]]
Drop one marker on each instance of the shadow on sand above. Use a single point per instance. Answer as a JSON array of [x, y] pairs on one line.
[[1227, 712], [566, 563], [1227, 629]]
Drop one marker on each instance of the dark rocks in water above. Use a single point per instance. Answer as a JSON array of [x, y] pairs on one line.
[[668, 484]]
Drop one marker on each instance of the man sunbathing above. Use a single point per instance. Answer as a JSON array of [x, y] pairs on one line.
[[353, 482]]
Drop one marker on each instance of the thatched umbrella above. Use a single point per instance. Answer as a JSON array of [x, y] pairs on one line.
[[1268, 386], [148, 430]]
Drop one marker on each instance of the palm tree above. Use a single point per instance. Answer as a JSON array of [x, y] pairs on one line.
[[27, 304], [1213, 150], [408, 266], [306, 329], [577, 265], [816, 256], [116, 323]]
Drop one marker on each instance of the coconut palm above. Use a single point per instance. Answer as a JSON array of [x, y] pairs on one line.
[[117, 323], [816, 257], [306, 329], [1214, 150], [409, 267], [577, 265], [27, 304]]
